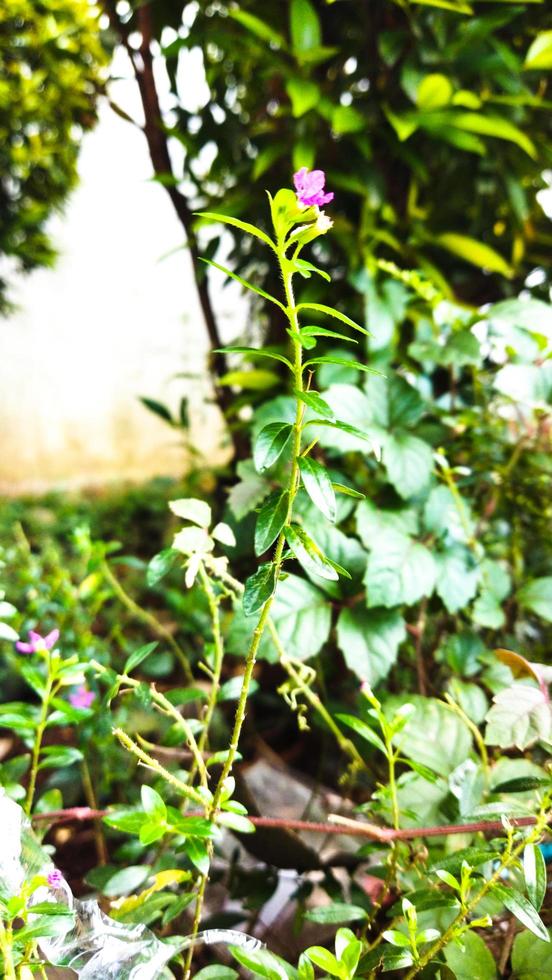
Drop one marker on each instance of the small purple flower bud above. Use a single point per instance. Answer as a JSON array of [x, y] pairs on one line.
[[55, 879], [82, 697]]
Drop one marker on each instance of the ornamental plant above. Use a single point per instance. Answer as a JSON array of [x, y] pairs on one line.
[[450, 826]]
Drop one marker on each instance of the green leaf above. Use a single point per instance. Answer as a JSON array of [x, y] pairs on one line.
[[477, 253], [158, 409], [399, 570], [433, 735], [470, 959], [59, 757], [306, 268], [304, 26], [138, 656], [261, 962], [497, 126], [314, 401], [254, 380], [216, 972], [531, 958], [434, 92], [348, 491], [192, 509], [236, 822], [331, 359], [457, 577], [251, 490], [127, 880], [198, 854], [364, 730], [160, 565], [302, 616], [243, 282], [310, 331], [369, 641], [325, 960], [347, 119], [153, 804], [330, 311], [539, 54], [255, 352], [270, 443], [259, 588], [259, 28], [308, 554], [536, 596], [336, 913], [303, 95], [534, 872], [270, 521], [126, 819], [408, 461], [396, 938], [236, 223], [517, 904], [520, 715], [319, 487]]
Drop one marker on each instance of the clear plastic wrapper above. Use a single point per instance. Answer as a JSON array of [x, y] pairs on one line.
[[95, 946]]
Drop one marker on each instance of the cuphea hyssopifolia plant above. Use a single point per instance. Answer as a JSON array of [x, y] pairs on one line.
[[37, 911], [297, 220], [48, 674]]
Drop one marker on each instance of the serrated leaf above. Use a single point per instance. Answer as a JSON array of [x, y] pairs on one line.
[[399, 570], [319, 487], [259, 588], [270, 443], [520, 715], [270, 521], [255, 352], [331, 359], [308, 554], [369, 640], [408, 461]]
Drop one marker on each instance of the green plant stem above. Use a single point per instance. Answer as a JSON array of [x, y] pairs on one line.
[[7, 952], [344, 743], [39, 735], [508, 858], [478, 738], [90, 796], [219, 656], [149, 619], [166, 708], [147, 760], [278, 558]]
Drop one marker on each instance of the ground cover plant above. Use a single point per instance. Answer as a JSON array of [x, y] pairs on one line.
[[370, 600]]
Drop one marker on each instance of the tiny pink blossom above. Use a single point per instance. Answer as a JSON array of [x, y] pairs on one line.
[[82, 697], [38, 643], [309, 185], [55, 879]]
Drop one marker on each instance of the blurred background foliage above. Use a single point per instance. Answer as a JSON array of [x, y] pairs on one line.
[[51, 73]]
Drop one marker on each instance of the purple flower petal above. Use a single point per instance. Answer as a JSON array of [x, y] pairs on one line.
[[310, 187], [24, 647], [53, 637], [36, 639]]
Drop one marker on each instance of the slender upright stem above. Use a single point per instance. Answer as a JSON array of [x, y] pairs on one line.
[[39, 735], [7, 952], [292, 487], [219, 656]]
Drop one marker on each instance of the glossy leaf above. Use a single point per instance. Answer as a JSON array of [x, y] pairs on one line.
[[259, 588], [517, 904], [318, 485], [270, 521], [535, 875], [330, 311], [308, 553], [270, 443]]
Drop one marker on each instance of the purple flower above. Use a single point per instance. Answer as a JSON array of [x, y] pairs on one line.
[[38, 643], [82, 697], [310, 187], [55, 879]]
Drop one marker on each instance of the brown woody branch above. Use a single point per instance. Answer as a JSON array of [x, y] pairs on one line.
[[342, 826], [142, 64]]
